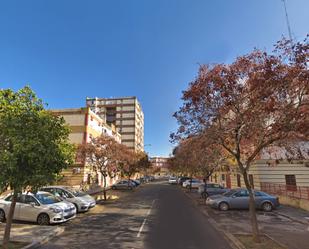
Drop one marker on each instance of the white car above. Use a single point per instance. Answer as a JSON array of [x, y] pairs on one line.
[[172, 180], [42, 207], [82, 201], [195, 183]]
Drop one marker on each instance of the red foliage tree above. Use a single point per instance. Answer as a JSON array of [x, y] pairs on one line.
[[258, 101]]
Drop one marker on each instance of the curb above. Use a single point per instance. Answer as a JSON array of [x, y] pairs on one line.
[[37, 244], [230, 238]]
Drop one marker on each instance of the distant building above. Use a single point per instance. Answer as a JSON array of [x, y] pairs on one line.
[[126, 114], [160, 165], [84, 125]]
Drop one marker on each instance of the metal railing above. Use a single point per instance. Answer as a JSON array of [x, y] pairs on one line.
[[290, 191]]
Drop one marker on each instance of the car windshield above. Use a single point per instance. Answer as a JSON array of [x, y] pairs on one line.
[[76, 192], [230, 193], [47, 199]]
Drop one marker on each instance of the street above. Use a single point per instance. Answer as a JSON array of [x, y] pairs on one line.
[[154, 216]]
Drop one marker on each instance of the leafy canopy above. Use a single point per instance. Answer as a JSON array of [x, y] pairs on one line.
[[34, 145]]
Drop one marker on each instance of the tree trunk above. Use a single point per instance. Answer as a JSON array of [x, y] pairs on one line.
[[252, 210], [9, 219], [104, 187], [191, 183]]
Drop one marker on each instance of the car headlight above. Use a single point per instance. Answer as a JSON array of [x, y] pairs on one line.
[[55, 209]]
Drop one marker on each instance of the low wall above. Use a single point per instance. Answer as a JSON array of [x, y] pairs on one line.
[[299, 203]]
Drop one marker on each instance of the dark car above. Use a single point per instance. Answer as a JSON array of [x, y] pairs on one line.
[[181, 180], [136, 182], [211, 189]]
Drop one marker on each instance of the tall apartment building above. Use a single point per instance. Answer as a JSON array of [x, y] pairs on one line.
[[126, 114]]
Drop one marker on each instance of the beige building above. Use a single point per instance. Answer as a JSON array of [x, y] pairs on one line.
[[159, 165], [126, 114], [84, 125], [288, 180]]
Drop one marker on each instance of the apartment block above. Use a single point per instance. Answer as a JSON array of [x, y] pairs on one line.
[[84, 125], [126, 114], [160, 165]]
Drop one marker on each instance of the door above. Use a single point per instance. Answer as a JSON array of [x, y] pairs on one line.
[[240, 200], [27, 211], [228, 181], [8, 205]]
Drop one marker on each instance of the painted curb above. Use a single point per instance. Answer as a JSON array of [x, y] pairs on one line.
[[37, 244]]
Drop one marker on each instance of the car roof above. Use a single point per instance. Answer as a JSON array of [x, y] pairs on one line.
[[57, 186]]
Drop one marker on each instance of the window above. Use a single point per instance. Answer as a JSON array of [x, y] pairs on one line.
[[238, 180], [290, 181], [251, 180], [242, 193], [223, 177], [29, 199]]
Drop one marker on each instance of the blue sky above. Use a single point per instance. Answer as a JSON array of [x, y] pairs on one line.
[[67, 50]]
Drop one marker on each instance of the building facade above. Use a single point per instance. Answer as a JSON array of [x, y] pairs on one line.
[[84, 125], [160, 165], [126, 114]]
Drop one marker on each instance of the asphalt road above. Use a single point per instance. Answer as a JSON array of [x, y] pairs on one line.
[[155, 216]]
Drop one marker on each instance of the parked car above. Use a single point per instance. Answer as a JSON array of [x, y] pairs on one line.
[[149, 178], [82, 201], [172, 180], [194, 183], [239, 199], [181, 180], [42, 207], [211, 189], [124, 184], [136, 182]]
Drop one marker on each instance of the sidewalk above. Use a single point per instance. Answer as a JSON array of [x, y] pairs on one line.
[[295, 214], [287, 225], [33, 234]]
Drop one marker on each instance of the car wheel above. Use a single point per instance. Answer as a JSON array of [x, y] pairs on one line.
[[188, 186], [43, 219], [267, 207], [205, 195], [2, 215], [130, 188], [223, 206], [113, 188]]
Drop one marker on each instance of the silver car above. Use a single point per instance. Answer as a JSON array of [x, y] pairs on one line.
[[124, 184], [211, 189], [82, 201], [42, 207], [239, 199]]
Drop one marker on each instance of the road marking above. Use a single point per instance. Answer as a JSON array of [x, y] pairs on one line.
[[144, 222]]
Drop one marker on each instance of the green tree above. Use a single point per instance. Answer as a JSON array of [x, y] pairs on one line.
[[34, 146]]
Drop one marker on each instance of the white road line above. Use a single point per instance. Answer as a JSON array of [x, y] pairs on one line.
[[141, 228], [144, 222]]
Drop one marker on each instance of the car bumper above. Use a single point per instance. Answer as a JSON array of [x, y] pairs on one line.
[[63, 217], [211, 203], [92, 205]]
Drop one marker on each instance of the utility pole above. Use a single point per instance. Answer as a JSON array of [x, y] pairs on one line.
[[287, 19]]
